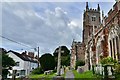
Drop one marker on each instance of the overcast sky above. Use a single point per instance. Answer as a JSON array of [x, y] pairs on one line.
[[44, 24]]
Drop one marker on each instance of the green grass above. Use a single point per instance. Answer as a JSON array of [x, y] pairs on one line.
[[87, 74], [118, 77], [36, 75], [46, 77]]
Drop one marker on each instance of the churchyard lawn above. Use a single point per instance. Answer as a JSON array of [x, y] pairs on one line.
[[87, 74], [46, 77]]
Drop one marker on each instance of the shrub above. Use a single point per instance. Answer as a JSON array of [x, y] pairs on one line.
[[117, 69], [79, 63], [108, 60], [47, 62], [37, 71], [4, 73], [55, 70]]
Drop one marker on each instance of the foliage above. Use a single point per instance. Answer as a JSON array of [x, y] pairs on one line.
[[0, 63], [65, 60], [106, 72], [65, 56], [64, 49], [4, 73], [117, 69], [79, 63], [47, 62], [37, 71], [5, 63], [55, 70], [108, 60], [87, 74], [5, 59], [117, 76], [42, 76]]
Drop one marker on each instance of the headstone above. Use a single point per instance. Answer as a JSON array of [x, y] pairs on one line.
[[58, 78], [47, 72], [62, 71], [80, 70]]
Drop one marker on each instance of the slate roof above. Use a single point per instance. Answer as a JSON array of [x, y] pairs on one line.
[[23, 57]]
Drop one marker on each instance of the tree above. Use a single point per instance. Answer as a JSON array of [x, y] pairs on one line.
[[63, 48], [47, 62], [65, 60], [7, 62], [65, 56], [5, 59], [79, 63]]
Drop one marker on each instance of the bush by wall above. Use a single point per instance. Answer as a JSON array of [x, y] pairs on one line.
[[79, 63], [37, 71]]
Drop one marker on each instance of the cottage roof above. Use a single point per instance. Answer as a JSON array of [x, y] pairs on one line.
[[23, 57]]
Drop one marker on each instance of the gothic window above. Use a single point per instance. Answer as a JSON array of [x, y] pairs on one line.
[[95, 26], [93, 18], [114, 48], [111, 48], [117, 45]]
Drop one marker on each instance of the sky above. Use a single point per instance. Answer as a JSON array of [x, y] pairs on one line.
[[44, 24]]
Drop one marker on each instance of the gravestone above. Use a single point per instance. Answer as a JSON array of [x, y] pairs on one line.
[[80, 69], [58, 78], [62, 71]]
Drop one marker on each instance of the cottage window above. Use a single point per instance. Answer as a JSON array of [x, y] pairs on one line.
[[17, 63], [22, 72]]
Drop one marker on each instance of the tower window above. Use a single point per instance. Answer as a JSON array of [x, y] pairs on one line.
[[93, 18]]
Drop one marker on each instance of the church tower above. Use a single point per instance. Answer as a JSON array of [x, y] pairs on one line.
[[91, 18]]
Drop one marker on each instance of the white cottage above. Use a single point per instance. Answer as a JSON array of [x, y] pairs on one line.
[[24, 64]]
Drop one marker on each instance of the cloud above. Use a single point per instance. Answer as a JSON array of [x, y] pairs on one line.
[[22, 23]]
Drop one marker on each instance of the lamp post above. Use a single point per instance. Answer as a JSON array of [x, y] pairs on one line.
[[37, 50], [38, 56]]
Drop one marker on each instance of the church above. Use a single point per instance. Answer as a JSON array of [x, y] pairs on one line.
[[101, 36]]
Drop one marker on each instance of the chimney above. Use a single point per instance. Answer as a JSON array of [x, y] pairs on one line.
[[31, 54], [24, 53]]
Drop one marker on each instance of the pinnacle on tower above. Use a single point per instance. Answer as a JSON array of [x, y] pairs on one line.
[[87, 6], [98, 7], [102, 13], [103, 22]]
